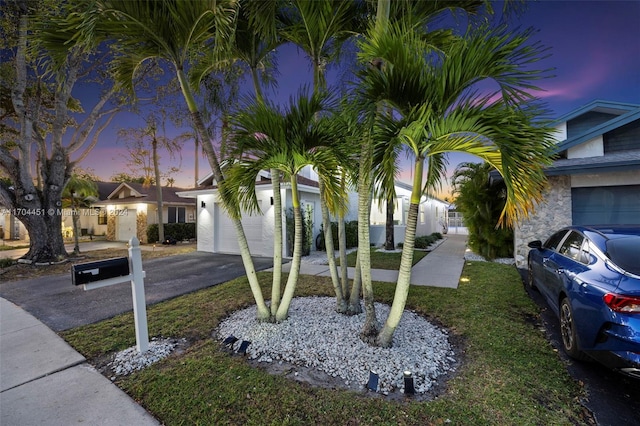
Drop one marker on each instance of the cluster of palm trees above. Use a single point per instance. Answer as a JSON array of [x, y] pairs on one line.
[[415, 91]]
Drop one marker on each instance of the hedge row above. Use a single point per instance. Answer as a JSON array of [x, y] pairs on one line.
[[424, 241], [179, 231]]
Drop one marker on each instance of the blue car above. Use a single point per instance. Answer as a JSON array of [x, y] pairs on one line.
[[590, 277]]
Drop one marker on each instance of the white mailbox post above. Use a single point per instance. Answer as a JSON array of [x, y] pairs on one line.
[[108, 272]]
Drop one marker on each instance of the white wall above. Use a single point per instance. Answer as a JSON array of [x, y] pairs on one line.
[[204, 222], [631, 177], [560, 133], [591, 148]]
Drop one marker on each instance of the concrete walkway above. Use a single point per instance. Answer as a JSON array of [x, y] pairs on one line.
[[440, 268], [43, 381]]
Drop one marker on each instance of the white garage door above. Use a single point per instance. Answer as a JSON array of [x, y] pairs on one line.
[[126, 224], [225, 237]]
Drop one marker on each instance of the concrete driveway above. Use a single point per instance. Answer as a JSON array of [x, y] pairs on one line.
[[59, 304]]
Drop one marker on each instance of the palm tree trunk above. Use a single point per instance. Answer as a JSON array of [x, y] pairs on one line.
[[342, 246], [156, 171], [276, 283], [370, 327], [385, 338], [75, 220], [389, 243], [277, 242], [262, 309], [341, 305], [356, 287], [294, 272]]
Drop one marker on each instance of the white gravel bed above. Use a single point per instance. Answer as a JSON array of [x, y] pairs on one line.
[[469, 255], [130, 360], [316, 336]]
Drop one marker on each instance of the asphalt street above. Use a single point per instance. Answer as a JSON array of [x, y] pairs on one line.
[[55, 301]]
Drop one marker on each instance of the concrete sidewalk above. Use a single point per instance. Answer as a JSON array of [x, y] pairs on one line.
[[440, 268], [45, 381]]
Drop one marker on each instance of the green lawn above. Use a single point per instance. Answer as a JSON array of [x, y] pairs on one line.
[[510, 374], [382, 260]]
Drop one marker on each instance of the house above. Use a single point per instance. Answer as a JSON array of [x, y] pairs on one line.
[[215, 232], [10, 227], [596, 177], [432, 216], [127, 209], [123, 210]]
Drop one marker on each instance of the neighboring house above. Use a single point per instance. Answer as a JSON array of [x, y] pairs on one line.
[[126, 209], [123, 210], [10, 227], [215, 232], [596, 178], [432, 216]]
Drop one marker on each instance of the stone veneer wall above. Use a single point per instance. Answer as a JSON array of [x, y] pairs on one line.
[[549, 216], [111, 227], [141, 228]]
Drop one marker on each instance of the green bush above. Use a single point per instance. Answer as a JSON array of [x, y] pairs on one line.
[[351, 233], [179, 231], [424, 241], [6, 262], [481, 202]]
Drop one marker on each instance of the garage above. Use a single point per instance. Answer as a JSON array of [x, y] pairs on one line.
[[126, 225], [606, 205], [225, 239]]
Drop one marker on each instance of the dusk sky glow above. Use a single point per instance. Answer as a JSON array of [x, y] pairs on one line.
[[594, 47]]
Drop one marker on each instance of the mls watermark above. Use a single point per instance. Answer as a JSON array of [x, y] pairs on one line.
[[63, 212]]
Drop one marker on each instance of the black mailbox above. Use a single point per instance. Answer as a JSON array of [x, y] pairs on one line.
[[84, 273]]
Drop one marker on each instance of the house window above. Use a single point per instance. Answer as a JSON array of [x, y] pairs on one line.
[[176, 214], [102, 217]]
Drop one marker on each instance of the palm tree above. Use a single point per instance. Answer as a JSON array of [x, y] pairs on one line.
[[285, 141], [436, 110], [171, 32], [253, 47], [320, 28], [78, 193]]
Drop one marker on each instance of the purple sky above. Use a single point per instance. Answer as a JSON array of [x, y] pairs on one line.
[[595, 50]]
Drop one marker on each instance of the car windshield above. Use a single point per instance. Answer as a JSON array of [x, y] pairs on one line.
[[624, 252]]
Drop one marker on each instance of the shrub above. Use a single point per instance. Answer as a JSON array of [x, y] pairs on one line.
[[351, 233], [179, 231], [307, 232], [481, 202], [424, 241]]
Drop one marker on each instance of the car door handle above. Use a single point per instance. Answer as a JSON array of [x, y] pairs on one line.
[[559, 271]]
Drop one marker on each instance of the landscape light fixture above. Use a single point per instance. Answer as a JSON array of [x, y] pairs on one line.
[[230, 340], [243, 347], [373, 381], [409, 389], [203, 204]]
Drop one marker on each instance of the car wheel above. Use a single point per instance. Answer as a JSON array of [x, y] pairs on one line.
[[568, 331]]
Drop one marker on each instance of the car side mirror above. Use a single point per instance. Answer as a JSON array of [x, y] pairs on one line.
[[537, 244]]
